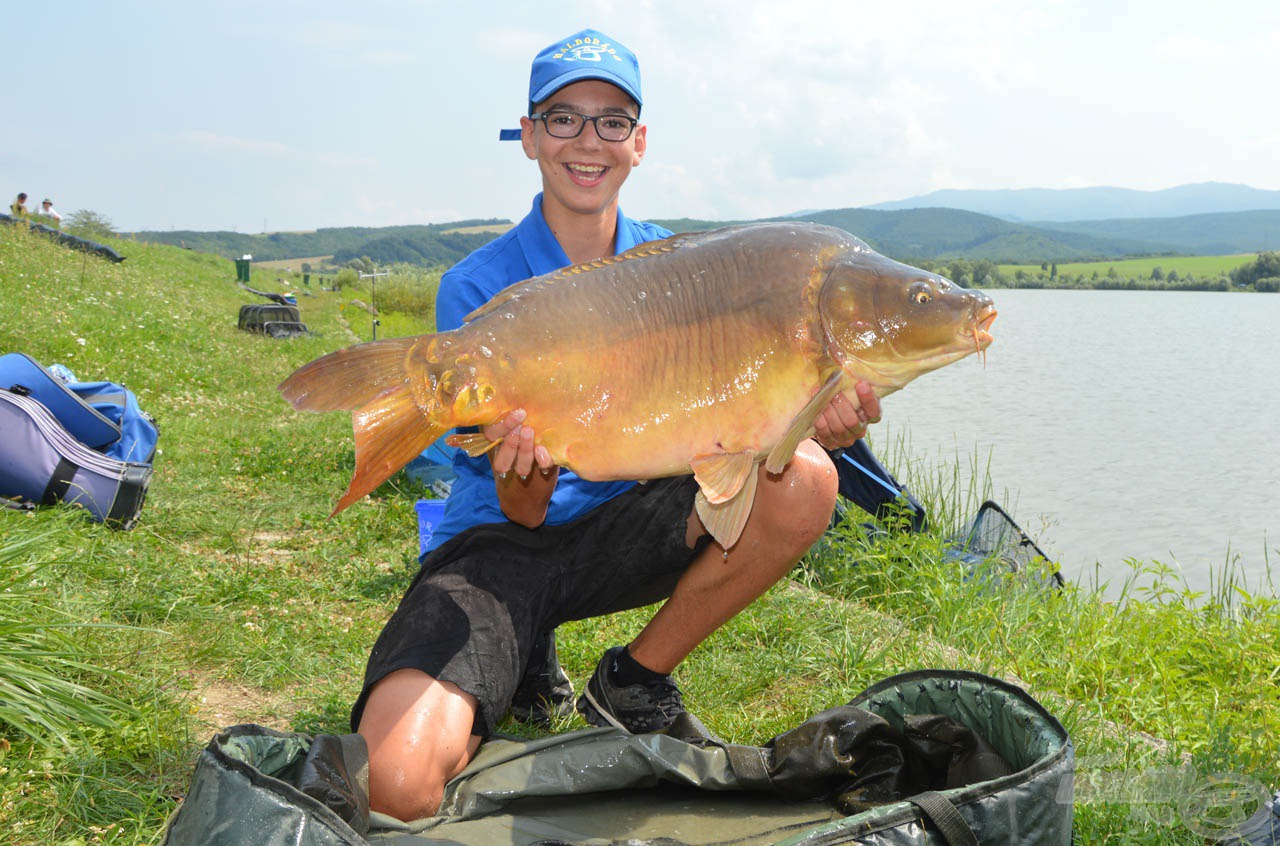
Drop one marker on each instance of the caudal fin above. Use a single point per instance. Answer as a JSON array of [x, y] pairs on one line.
[[349, 378], [372, 381]]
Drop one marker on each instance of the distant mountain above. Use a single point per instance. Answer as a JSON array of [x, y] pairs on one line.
[[907, 235], [953, 233], [430, 244], [1071, 204], [1197, 234], [950, 233]]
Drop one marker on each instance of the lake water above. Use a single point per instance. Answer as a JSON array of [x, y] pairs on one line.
[[1118, 424]]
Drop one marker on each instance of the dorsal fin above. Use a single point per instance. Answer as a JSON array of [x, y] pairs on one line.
[[519, 289]]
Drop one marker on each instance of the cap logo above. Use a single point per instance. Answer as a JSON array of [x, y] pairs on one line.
[[586, 50]]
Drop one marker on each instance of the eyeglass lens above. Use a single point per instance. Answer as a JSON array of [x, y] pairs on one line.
[[569, 125]]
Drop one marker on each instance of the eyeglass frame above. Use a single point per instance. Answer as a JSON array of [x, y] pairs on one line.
[[542, 116]]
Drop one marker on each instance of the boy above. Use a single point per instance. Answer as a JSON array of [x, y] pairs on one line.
[[525, 545]]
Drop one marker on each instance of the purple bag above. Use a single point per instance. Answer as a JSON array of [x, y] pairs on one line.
[[42, 463]]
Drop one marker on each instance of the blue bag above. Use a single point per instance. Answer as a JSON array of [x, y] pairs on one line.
[[103, 416], [138, 431], [24, 376]]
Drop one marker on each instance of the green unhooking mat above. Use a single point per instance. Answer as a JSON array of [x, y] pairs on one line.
[[929, 757]]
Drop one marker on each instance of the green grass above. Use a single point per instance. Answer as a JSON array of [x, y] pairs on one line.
[[1137, 268], [237, 600]]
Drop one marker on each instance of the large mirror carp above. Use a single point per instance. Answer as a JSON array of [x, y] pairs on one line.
[[704, 353]]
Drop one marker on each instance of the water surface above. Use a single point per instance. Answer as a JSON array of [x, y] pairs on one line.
[[1122, 424]]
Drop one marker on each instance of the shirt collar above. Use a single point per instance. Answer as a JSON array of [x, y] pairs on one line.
[[543, 251]]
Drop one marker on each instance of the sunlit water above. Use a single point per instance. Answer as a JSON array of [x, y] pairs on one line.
[[1119, 425]]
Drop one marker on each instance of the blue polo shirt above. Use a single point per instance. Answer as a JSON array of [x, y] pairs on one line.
[[527, 250]]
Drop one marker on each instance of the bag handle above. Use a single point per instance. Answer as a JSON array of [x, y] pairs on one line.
[[59, 482], [943, 814]]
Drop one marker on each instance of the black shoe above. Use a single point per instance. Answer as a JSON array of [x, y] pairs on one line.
[[544, 691], [636, 708]]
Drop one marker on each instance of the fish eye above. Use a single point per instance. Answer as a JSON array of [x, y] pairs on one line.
[[920, 293]]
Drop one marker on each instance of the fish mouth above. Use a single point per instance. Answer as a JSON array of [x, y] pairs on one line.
[[982, 321], [983, 317], [889, 376]]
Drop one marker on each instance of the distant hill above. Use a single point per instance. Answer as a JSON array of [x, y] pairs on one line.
[[951, 233], [908, 234], [1198, 234], [1100, 203], [430, 244]]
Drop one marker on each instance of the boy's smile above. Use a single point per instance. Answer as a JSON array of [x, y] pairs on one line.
[[586, 174]]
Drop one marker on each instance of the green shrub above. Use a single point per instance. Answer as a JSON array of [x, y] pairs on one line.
[[89, 224]]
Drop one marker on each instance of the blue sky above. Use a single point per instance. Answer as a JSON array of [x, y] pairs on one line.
[[290, 115]]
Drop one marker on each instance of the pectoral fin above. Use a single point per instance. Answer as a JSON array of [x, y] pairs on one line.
[[802, 426], [474, 444], [726, 519], [721, 476]]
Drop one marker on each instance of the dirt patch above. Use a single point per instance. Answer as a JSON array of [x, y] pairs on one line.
[[497, 228], [218, 703], [294, 264]]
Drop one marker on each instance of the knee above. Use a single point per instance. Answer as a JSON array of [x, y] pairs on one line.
[[418, 733], [403, 788], [802, 497]]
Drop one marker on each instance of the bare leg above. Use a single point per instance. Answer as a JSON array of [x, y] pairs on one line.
[[419, 734], [791, 511]]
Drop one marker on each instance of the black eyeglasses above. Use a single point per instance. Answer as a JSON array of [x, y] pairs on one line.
[[565, 124]]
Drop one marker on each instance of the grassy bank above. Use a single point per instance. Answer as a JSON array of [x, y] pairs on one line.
[[1142, 267], [236, 600]]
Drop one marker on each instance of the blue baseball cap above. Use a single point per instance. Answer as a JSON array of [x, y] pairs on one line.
[[589, 54]]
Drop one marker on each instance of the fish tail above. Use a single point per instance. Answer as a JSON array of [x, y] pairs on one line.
[[373, 381], [350, 378]]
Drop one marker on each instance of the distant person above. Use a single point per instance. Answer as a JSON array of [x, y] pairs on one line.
[[18, 208], [47, 210]]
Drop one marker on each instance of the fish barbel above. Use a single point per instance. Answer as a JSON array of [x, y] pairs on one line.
[[704, 353]]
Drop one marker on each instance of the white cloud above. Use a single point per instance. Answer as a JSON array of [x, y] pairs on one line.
[[754, 107], [263, 148]]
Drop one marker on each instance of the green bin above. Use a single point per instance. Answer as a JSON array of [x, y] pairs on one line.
[[242, 270]]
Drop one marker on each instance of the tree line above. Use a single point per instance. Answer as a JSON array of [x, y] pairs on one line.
[[1261, 274]]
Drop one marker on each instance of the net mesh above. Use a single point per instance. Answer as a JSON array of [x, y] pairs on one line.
[[994, 543]]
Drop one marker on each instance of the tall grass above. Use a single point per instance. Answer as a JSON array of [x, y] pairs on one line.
[[50, 690], [402, 304]]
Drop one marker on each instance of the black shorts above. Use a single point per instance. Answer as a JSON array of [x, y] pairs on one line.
[[482, 598]]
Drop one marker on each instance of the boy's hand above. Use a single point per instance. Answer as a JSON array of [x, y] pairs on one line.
[[845, 421], [517, 451], [522, 494]]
